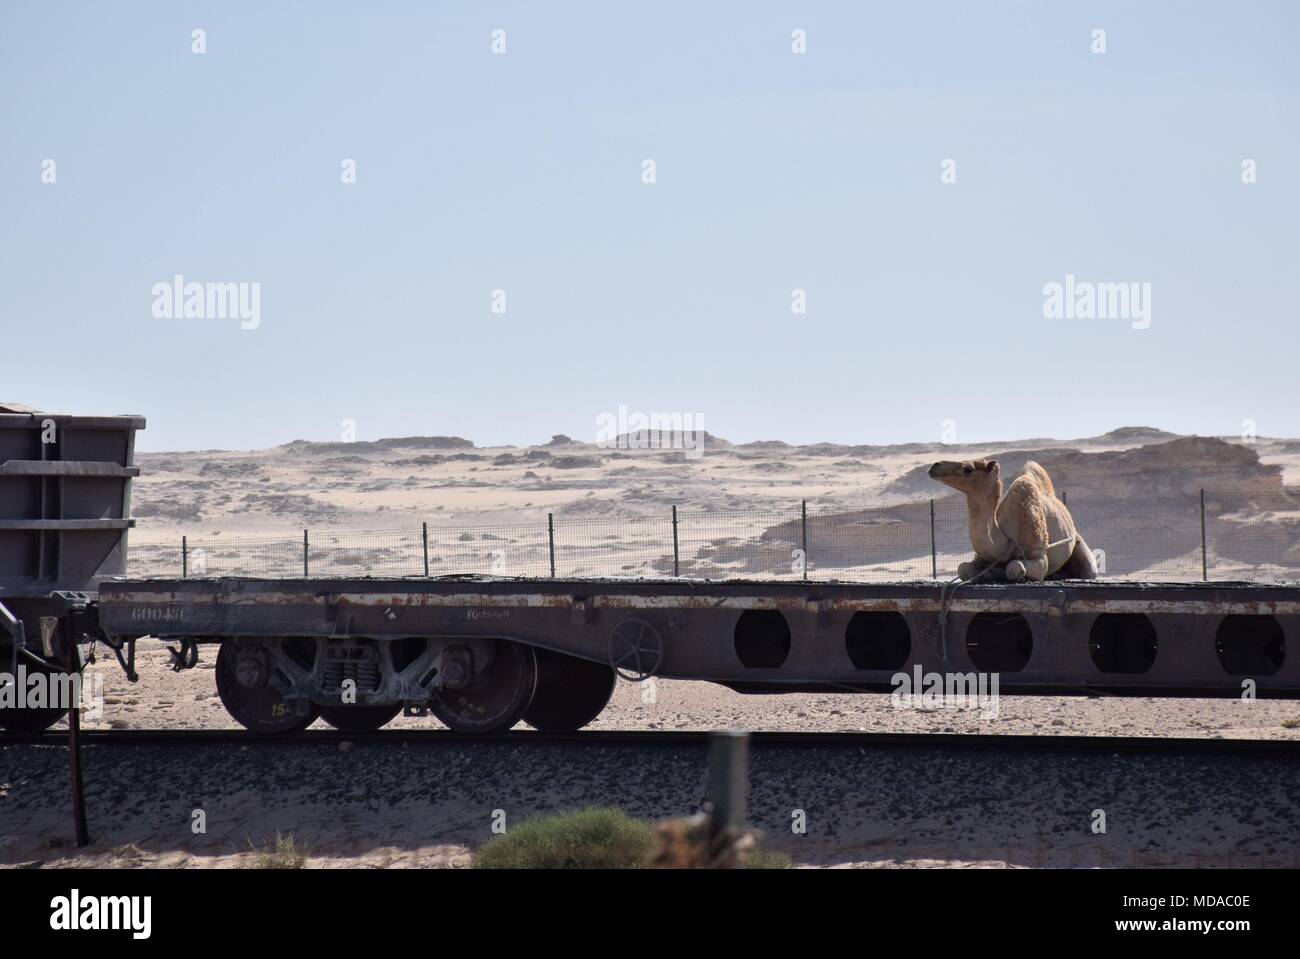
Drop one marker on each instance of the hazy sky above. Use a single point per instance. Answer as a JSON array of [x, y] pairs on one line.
[[774, 171]]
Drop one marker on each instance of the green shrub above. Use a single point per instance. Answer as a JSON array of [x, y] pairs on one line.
[[593, 838]]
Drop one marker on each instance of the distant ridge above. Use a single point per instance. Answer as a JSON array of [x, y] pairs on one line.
[[652, 441], [1132, 434], [392, 443], [1176, 468]]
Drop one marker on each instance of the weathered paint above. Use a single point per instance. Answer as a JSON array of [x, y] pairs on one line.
[[698, 622], [1060, 603]]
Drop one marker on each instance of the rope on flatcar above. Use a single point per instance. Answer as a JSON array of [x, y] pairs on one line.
[[948, 589]]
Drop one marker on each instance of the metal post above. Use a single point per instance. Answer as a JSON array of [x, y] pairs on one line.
[[728, 762], [304, 554], [185, 558], [676, 554], [803, 509], [1064, 501], [1205, 565], [550, 533], [424, 536], [74, 744], [14, 627], [934, 555]]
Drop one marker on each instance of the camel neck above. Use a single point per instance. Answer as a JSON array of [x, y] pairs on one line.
[[981, 505], [985, 536]]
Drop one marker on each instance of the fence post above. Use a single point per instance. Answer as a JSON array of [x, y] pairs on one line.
[[934, 555], [1205, 565], [424, 540], [676, 554], [550, 533], [74, 753], [185, 558], [803, 509], [728, 759], [304, 554]]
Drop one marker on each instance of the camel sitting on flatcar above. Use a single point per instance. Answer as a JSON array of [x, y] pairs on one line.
[[1026, 533]]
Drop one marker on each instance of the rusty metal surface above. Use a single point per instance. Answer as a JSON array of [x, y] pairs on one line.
[[1081, 596]]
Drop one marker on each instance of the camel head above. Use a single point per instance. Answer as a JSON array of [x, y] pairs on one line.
[[973, 477]]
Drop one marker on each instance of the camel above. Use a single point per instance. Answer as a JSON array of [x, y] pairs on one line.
[[1027, 528]]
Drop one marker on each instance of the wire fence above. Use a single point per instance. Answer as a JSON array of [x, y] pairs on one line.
[[1223, 536]]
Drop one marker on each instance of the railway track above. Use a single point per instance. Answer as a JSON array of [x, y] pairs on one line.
[[1117, 745]]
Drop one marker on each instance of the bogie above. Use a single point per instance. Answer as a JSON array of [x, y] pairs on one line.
[[277, 685]]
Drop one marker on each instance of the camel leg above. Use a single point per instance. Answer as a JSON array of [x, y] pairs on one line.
[[973, 568], [1081, 564], [1033, 567]]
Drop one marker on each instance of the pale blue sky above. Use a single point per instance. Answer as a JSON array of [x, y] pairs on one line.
[[775, 172]]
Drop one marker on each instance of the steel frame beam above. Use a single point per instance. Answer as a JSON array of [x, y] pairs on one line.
[[697, 623]]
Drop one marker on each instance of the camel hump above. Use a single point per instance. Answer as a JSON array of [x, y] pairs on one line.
[[1022, 513], [1040, 474]]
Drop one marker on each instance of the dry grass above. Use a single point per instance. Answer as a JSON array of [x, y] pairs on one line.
[[283, 853]]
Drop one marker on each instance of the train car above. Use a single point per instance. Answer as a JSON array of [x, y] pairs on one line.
[[65, 507], [481, 654]]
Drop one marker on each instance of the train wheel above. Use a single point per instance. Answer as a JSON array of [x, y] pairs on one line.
[[500, 697], [359, 719], [570, 692], [242, 674], [24, 719]]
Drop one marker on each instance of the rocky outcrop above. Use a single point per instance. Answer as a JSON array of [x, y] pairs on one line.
[[1178, 468]]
